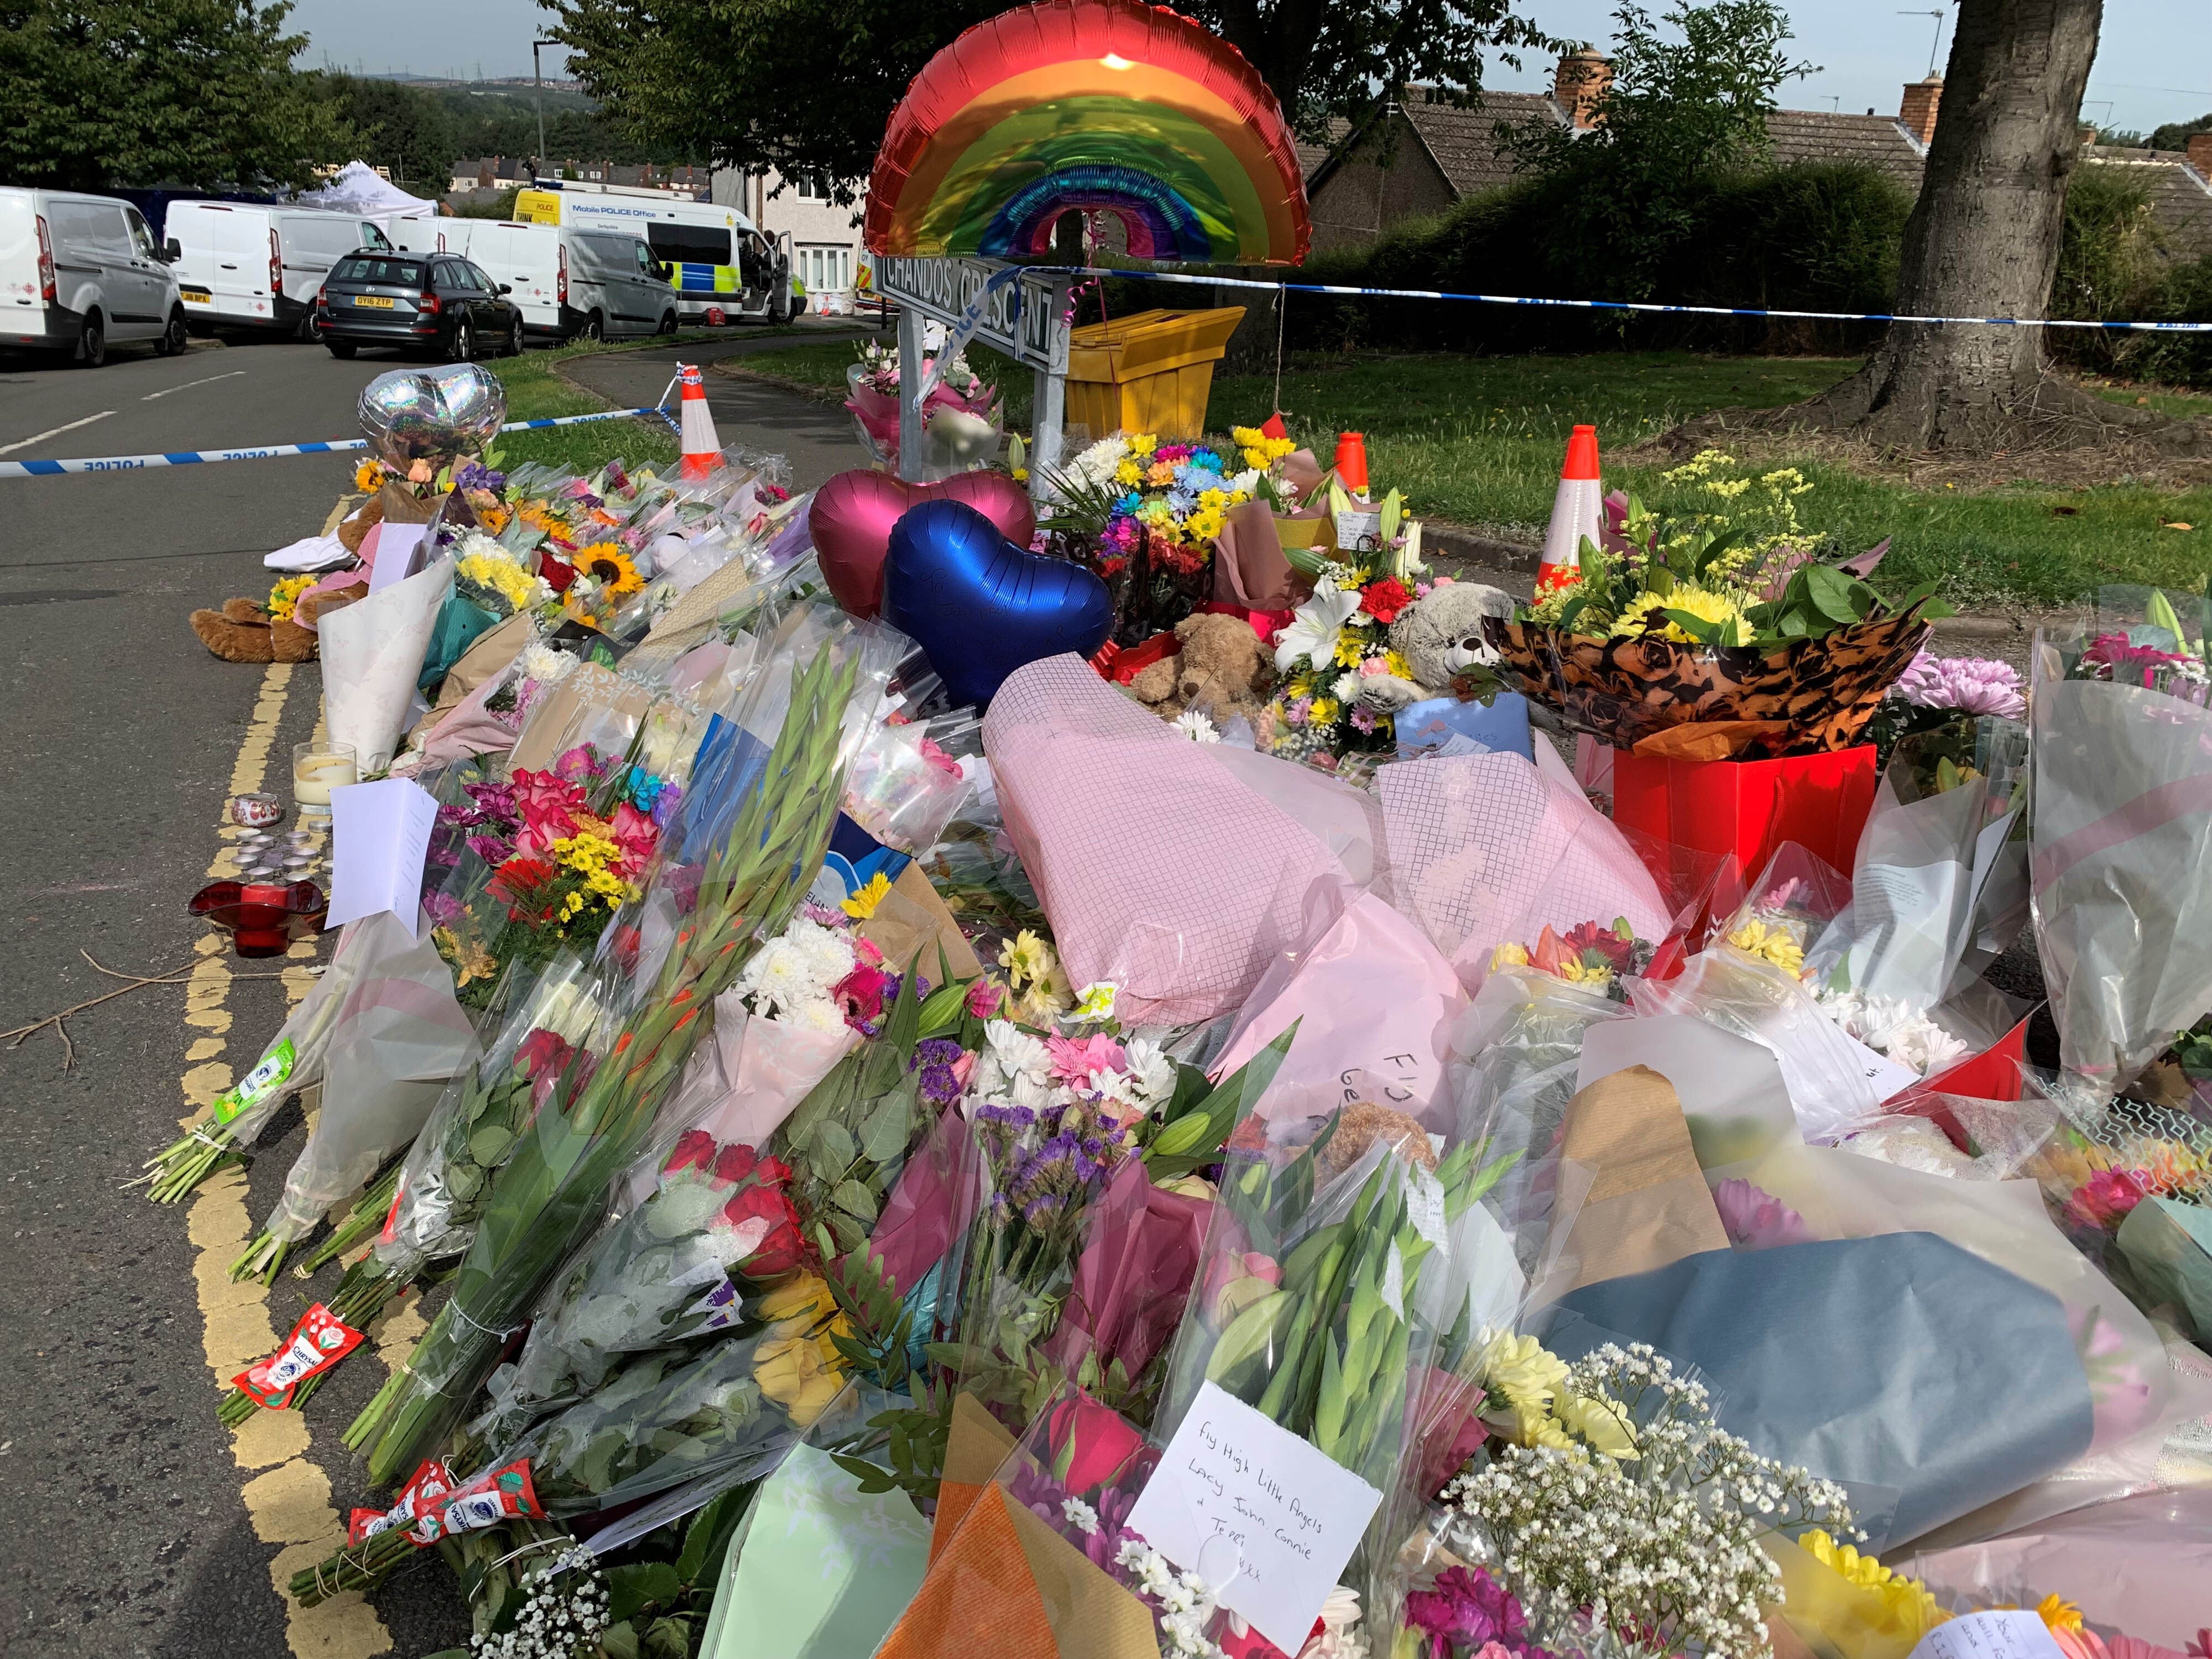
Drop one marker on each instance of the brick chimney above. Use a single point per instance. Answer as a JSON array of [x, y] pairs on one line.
[[1917, 114], [2199, 152], [1582, 79]]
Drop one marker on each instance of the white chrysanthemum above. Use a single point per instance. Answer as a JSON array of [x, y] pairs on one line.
[[1150, 1073], [545, 666], [1018, 1055], [1197, 726], [819, 1015]]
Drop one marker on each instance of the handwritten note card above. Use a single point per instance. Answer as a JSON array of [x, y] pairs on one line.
[[2004, 1634], [1235, 1493]]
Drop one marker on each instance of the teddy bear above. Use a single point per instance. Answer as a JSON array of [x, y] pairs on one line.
[[244, 631], [1224, 670], [1439, 635]]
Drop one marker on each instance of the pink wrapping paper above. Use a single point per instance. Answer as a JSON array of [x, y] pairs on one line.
[[1160, 872], [1374, 1003], [1486, 848], [1140, 1253], [935, 1198]]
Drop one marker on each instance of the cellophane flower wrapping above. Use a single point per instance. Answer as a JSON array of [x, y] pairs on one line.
[[730, 1410], [1140, 1255], [2122, 922], [1484, 848], [480, 1115], [371, 652], [1797, 699], [1162, 870], [1939, 882], [687, 1260], [397, 1040]]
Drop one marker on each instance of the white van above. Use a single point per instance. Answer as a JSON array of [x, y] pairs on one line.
[[246, 265], [77, 271], [721, 268], [570, 284]]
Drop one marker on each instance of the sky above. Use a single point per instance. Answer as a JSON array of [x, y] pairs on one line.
[[2151, 62]]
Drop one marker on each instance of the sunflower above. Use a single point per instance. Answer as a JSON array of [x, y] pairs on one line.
[[603, 561], [369, 475], [1646, 615]]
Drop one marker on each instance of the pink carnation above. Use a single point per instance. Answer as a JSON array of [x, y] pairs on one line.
[[1074, 1061], [1972, 685]]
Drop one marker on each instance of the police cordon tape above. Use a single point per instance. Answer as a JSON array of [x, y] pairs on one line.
[[272, 452], [1199, 280]]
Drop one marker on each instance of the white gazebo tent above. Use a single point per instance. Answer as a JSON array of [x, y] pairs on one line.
[[358, 188]]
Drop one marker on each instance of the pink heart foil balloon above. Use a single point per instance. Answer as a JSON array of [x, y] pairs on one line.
[[852, 515]]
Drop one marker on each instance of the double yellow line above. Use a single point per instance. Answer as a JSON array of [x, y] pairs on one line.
[[287, 1495]]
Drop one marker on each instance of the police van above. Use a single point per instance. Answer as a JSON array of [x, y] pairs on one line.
[[722, 268]]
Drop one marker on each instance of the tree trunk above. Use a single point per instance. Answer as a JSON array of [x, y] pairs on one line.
[[1983, 241]]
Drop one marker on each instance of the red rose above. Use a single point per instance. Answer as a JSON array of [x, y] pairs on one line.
[[734, 1162], [558, 572], [764, 1211], [1090, 1443], [541, 1052], [773, 1169], [694, 1150], [1384, 600]]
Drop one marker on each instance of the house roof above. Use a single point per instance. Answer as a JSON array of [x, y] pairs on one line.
[[2180, 196], [1464, 143]]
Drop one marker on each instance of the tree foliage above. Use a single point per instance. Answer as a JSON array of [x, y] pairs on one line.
[[101, 94], [1678, 115], [406, 129], [808, 84]]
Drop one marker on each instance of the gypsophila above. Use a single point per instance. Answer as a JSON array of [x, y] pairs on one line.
[[1667, 1543], [1080, 1515], [564, 1612], [1181, 1600]]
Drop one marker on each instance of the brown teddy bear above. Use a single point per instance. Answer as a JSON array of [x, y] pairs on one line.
[[1224, 670], [244, 631]]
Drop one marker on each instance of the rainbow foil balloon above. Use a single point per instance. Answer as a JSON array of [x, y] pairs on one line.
[[1089, 107]]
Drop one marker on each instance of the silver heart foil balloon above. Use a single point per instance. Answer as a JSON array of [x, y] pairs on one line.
[[454, 409]]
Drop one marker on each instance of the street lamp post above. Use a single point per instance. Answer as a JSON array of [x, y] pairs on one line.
[[538, 84]]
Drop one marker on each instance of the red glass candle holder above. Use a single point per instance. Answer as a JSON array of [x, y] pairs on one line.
[[263, 918]]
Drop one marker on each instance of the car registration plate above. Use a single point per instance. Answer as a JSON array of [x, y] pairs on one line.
[[198, 296], [374, 301]]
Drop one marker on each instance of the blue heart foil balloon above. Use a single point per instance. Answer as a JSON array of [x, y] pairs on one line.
[[980, 607]]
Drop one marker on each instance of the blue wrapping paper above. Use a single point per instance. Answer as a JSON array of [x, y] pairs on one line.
[[1899, 1361]]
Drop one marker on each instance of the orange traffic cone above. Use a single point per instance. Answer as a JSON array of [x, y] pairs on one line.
[[703, 450], [1351, 464], [1578, 511]]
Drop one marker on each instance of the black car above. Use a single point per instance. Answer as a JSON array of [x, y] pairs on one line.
[[417, 301]]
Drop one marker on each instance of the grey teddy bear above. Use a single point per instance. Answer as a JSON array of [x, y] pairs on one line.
[[1439, 636]]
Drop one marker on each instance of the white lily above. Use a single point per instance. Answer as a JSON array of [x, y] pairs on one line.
[[1311, 632]]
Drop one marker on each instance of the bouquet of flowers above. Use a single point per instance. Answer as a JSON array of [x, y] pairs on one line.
[[545, 860], [1339, 671], [1606, 1503], [489, 576], [1145, 514], [959, 401], [1701, 622]]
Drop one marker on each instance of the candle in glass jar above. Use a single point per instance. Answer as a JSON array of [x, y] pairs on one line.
[[318, 769]]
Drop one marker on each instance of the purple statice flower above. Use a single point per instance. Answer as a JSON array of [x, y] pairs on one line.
[[492, 849], [665, 807], [475, 475], [1972, 685], [933, 1063]]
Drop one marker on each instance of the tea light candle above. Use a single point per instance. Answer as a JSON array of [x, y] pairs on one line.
[[318, 769]]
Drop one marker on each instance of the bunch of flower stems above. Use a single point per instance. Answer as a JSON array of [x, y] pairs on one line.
[[550, 1192]]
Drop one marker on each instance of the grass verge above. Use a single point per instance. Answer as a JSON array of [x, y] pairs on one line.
[[1477, 441]]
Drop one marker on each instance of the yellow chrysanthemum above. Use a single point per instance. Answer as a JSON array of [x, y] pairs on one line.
[[1645, 615], [1770, 943], [1027, 959], [1324, 712], [1508, 955], [1521, 1370], [1349, 651], [1910, 1608], [1143, 443], [2058, 1613], [1128, 474], [1603, 1424], [285, 598], [862, 904], [605, 562]]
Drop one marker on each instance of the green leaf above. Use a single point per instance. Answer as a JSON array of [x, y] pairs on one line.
[[618, 1641], [1830, 591], [835, 1143], [631, 1590], [707, 1539], [856, 1199], [884, 1137], [1698, 628], [488, 1145], [668, 1638]]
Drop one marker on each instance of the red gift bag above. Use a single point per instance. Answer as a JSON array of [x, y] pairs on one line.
[[1749, 808]]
